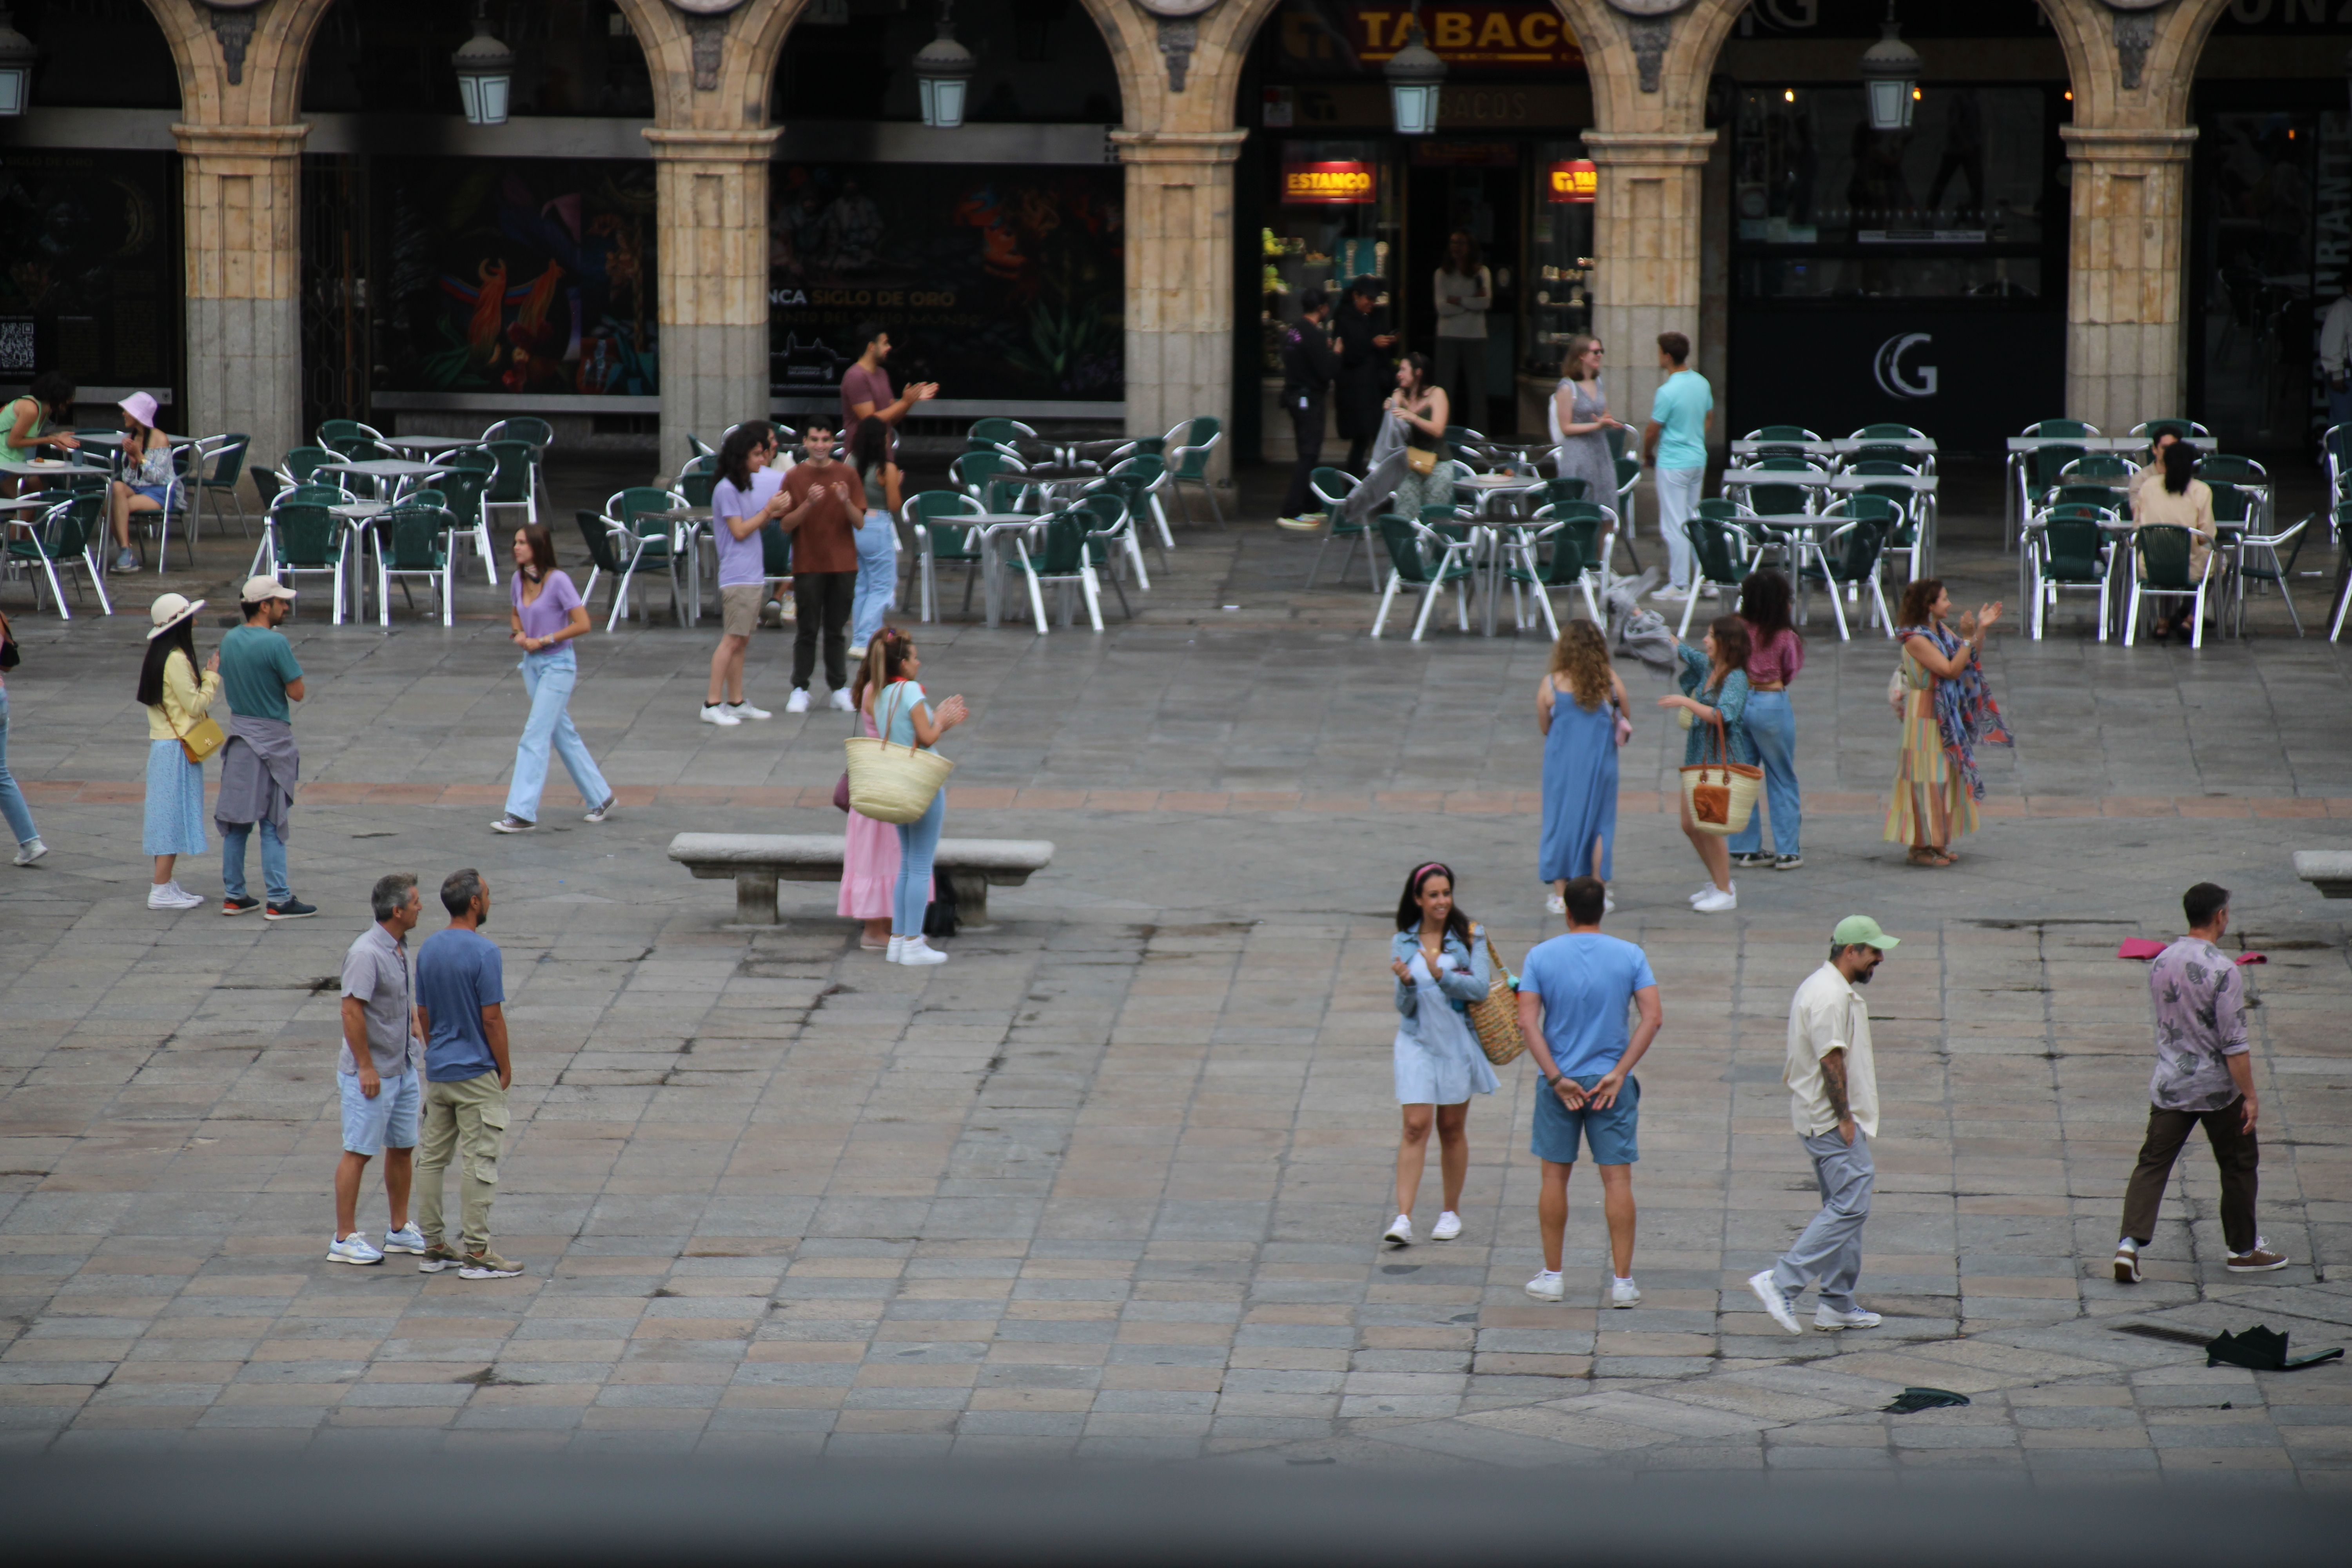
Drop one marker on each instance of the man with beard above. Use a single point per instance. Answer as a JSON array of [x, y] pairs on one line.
[[1833, 1102]]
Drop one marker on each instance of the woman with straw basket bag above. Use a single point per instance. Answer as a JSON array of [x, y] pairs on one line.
[[1720, 774], [899, 778], [1441, 965]]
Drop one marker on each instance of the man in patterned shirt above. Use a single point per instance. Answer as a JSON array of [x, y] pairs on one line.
[[2203, 1073]]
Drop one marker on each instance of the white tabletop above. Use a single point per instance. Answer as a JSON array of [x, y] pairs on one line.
[[358, 510], [431, 443], [387, 468], [1811, 479], [116, 438], [1892, 482], [1843, 445], [2082, 443], [40, 468]]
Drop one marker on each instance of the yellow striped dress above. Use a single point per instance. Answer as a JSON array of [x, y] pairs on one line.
[[1931, 804]]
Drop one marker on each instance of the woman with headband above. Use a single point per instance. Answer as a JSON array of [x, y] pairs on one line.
[[1439, 959]]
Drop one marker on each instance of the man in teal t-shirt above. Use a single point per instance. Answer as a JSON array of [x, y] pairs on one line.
[[259, 765], [1681, 413]]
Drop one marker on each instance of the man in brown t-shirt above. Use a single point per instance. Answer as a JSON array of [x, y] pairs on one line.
[[826, 502]]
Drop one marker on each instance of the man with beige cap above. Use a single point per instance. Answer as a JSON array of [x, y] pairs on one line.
[[1833, 1102], [260, 763]]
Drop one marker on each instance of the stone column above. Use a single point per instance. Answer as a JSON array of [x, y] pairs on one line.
[[2124, 281], [1180, 280], [711, 204], [1645, 252], [241, 189]]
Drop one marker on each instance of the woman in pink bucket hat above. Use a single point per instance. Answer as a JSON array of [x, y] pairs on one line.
[[144, 479]]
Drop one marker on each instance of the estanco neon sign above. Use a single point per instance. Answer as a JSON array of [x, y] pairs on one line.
[[1331, 184]]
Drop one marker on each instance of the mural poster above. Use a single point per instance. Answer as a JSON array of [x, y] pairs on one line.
[[90, 268]]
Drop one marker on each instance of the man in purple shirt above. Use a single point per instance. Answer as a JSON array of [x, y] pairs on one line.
[[2203, 1073], [865, 386]]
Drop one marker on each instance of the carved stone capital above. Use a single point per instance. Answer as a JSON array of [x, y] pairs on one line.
[[708, 35], [1179, 37], [234, 28], [2134, 36], [1649, 35]]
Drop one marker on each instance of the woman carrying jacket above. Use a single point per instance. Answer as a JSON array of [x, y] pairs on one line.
[[1439, 959]]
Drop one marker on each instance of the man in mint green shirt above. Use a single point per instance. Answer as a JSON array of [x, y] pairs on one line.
[[1674, 445]]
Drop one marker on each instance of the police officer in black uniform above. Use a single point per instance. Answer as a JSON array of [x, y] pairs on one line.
[[1308, 365]]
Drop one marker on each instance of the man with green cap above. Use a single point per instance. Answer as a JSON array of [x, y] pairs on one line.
[[1833, 1102]]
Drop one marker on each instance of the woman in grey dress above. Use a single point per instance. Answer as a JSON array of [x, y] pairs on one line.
[[1581, 423]]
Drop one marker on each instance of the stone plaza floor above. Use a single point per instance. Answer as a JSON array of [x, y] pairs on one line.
[[1108, 1183]]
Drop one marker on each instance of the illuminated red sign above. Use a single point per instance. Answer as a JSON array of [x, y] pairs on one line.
[[1573, 180], [1331, 184]]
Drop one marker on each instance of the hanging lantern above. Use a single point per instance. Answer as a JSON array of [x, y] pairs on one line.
[[944, 71], [485, 73], [17, 53], [1415, 77], [1890, 77]]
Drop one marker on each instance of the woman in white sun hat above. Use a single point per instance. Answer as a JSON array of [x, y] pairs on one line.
[[146, 477], [176, 701]]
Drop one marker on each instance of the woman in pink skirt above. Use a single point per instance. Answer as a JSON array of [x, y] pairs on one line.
[[869, 857]]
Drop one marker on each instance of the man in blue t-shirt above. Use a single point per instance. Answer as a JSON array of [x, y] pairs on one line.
[[461, 994], [1573, 993], [1682, 412]]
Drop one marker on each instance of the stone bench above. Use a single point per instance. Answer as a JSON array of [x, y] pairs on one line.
[[756, 862], [2329, 870]]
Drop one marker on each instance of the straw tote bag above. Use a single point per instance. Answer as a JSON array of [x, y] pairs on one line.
[[1721, 795], [1494, 1017], [894, 784]]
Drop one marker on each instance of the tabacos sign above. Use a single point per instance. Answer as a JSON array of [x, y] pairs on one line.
[[1572, 179], [1526, 36], [1332, 182]]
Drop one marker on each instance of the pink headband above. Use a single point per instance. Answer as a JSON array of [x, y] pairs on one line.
[[1433, 866]]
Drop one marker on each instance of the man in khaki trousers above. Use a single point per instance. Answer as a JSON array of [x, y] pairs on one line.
[[461, 994]]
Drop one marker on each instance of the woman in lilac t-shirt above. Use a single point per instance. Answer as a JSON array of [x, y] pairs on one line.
[[547, 615]]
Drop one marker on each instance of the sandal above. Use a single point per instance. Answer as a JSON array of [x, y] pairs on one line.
[[1924, 855]]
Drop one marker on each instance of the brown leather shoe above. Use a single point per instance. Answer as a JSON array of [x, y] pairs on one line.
[[2261, 1260]]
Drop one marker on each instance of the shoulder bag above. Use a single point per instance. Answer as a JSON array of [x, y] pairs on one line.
[[1494, 1017], [1720, 795], [9, 658], [203, 738], [893, 783]]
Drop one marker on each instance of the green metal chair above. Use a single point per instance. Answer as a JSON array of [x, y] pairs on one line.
[[1189, 445], [538, 436], [604, 560], [300, 463], [1718, 556], [2270, 566], [416, 541], [463, 490], [2162, 551], [1111, 541], [1849, 555], [2069, 552], [63, 538], [1061, 559], [999, 432], [648, 541], [226, 454], [1421, 558], [1554, 559], [1140, 480], [1771, 498], [306, 538], [2100, 467], [341, 435], [2038, 472], [939, 541], [517, 482], [1332, 486]]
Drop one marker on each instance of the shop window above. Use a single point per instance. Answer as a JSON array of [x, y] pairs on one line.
[[98, 54], [1329, 208]]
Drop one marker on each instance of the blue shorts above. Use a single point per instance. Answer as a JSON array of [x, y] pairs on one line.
[[152, 492], [1613, 1134], [387, 1122]]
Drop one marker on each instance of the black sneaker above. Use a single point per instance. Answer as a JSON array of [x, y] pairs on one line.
[[239, 905], [1752, 858], [1788, 862], [292, 909]]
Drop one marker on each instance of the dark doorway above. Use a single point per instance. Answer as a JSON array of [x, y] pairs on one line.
[[1475, 187]]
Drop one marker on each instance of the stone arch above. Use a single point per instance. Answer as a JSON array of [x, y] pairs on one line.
[[266, 48]]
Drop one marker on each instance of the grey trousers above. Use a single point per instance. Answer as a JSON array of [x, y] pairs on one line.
[[1829, 1251]]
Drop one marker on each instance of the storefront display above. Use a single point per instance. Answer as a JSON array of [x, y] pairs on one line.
[[524, 277], [89, 268], [1001, 284]]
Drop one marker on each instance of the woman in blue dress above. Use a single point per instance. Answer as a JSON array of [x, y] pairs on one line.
[[1713, 680], [1439, 959], [1578, 709]]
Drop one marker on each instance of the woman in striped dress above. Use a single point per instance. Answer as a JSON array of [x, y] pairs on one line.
[[1948, 709]]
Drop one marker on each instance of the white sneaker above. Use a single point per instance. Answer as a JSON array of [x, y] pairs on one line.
[[1399, 1231], [172, 896], [1774, 1302], [745, 711], [1716, 901], [30, 850], [1547, 1286], [1555, 905], [838, 701], [353, 1249], [1672, 595], [407, 1239], [1607, 904], [1624, 1293], [798, 702], [1705, 889], [716, 713], [1829, 1319], [917, 953], [1448, 1226], [897, 945]]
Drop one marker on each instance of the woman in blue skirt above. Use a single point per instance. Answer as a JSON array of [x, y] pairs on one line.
[[1439, 959], [1580, 710], [176, 702]]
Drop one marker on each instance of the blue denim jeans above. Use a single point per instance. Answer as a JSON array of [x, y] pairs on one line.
[[12, 799], [549, 678], [877, 577], [273, 861], [918, 842], [1772, 725]]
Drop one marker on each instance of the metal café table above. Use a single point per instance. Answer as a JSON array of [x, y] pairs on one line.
[[400, 473], [1842, 447], [689, 524], [1792, 523], [359, 529], [1051, 479], [988, 525], [430, 443]]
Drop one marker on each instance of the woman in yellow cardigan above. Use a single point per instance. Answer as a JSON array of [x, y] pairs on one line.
[[176, 702]]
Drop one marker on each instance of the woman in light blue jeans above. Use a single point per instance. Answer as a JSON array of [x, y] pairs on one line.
[[903, 717], [1776, 653], [877, 536], [547, 614], [19, 818]]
